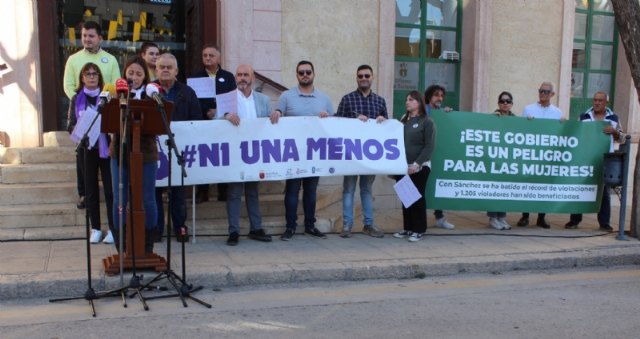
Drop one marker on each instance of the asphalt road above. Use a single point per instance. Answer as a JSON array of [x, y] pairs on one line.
[[596, 303]]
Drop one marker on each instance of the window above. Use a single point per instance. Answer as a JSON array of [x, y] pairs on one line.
[[595, 45], [427, 45]]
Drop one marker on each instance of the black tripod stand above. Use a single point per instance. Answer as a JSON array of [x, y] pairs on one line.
[[183, 289], [90, 294]]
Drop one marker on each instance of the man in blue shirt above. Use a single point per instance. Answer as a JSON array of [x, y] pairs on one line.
[[362, 104], [303, 100]]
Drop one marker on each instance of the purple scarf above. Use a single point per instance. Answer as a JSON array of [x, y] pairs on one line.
[[81, 105]]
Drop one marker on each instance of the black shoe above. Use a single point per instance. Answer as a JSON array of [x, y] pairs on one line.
[[606, 228], [524, 221], [542, 223], [259, 235], [80, 205], [157, 235], [287, 235], [233, 239], [315, 232], [182, 234], [571, 225]]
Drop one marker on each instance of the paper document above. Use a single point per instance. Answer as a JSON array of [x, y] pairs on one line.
[[226, 103], [407, 191], [204, 87], [83, 124]]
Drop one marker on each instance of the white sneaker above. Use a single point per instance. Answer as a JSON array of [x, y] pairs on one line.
[[415, 237], [96, 236], [495, 223], [108, 239], [443, 223], [402, 234], [504, 223]]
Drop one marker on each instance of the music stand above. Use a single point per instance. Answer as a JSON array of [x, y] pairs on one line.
[[145, 119]]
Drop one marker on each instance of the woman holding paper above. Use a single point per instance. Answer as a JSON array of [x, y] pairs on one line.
[[92, 158], [419, 142]]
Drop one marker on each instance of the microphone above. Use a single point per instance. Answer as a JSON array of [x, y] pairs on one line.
[[122, 88], [106, 95], [153, 91]]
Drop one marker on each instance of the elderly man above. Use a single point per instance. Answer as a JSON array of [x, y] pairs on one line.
[[543, 109], [600, 112], [251, 105], [303, 100], [186, 107], [224, 83], [362, 104]]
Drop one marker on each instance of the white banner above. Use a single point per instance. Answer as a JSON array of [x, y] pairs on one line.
[[216, 151]]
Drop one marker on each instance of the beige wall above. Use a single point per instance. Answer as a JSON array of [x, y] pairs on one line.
[[19, 95], [337, 36], [525, 50]]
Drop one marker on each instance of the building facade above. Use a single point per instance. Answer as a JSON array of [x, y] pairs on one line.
[[474, 48]]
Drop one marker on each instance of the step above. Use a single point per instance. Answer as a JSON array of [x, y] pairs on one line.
[[37, 155], [37, 173], [36, 194], [57, 139]]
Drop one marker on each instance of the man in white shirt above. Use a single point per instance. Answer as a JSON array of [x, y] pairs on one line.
[[543, 109], [251, 105]]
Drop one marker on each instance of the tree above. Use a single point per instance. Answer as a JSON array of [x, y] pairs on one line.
[[627, 14]]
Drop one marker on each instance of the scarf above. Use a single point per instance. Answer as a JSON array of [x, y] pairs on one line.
[[81, 105]]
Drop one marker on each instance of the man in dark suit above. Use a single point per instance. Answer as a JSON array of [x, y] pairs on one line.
[[225, 83]]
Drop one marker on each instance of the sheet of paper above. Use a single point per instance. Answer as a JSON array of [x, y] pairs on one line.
[[204, 87], [226, 103], [83, 124], [407, 191]]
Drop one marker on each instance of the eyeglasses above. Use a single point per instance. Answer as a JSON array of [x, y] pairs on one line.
[[90, 74], [544, 91], [305, 71], [505, 101], [366, 76]]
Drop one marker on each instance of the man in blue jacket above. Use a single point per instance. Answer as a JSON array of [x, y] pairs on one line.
[[185, 107]]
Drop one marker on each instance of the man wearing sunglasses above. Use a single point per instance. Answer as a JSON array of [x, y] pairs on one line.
[[362, 104], [543, 109], [303, 100]]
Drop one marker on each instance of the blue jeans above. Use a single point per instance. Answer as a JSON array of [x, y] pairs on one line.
[[496, 214], [234, 197], [149, 171], [178, 208], [366, 198], [292, 188]]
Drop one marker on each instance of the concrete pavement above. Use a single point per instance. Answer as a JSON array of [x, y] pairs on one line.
[[33, 269]]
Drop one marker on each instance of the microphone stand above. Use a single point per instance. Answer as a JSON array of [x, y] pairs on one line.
[[184, 290], [90, 294], [125, 136]]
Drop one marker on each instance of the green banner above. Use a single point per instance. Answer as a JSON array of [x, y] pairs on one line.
[[483, 162]]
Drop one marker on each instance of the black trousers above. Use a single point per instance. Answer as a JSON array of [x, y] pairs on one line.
[[91, 166], [414, 217]]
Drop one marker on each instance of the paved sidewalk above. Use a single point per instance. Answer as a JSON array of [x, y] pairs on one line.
[[58, 268]]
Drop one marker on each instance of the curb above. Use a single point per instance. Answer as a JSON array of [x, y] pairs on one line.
[[52, 285]]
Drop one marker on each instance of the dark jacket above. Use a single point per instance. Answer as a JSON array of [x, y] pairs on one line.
[[185, 103], [225, 83]]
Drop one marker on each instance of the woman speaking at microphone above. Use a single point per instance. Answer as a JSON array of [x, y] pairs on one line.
[[95, 157], [136, 73]]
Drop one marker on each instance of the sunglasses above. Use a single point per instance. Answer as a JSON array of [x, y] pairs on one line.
[[544, 91], [90, 74], [366, 76], [505, 101], [305, 71]]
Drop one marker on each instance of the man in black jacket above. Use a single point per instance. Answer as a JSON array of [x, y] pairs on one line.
[[225, 82], [185, 107]]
